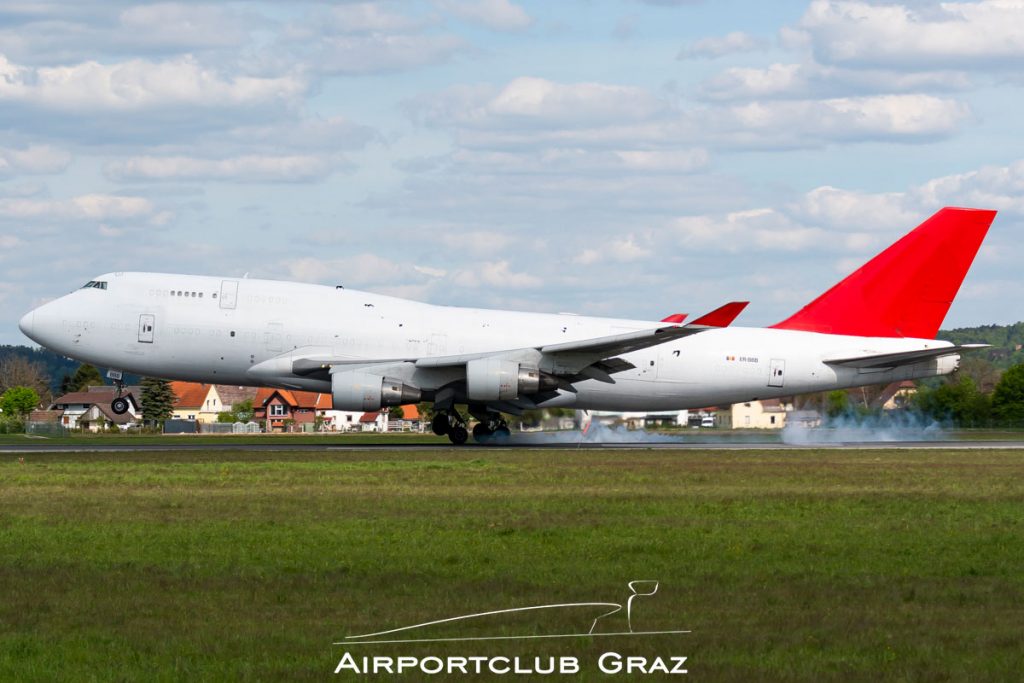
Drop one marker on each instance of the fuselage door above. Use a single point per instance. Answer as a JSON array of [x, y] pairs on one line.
[[438, 345], [147, 323], [229, 293], [274, 336], [777, 370]]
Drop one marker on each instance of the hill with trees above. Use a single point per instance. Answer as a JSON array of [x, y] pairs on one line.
[[1007, 342]]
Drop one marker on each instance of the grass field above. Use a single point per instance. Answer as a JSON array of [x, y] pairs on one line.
[[786, 565]]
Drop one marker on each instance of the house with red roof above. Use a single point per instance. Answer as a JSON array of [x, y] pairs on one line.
[[91, 409], [205, 402], [189, 400], [286, 411]]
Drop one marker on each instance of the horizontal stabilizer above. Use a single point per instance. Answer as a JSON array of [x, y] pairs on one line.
[[674, 318], [892, 360]]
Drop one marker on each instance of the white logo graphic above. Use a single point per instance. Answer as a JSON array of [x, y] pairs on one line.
[[637, 589]]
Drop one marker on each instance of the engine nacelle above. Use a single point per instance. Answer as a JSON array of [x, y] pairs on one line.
[[365, 391], [491, 379]]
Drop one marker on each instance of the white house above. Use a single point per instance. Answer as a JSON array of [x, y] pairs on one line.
[[78, 403], [767, 414]]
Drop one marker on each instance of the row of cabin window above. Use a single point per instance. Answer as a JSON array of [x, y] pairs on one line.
[[183, 294], [95, 284]]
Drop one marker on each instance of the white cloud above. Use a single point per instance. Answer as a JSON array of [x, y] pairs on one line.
[[182, 26], [577, 160], [83, 207], [381, 52], [719, 46], [950, 35], [804, 122], [477, 242], [851, 210], [430, 272], [35, 159], [358, 270], [529, 101], [139, 85], [994, 187], [624, 250], [762, 229], [500, 15], [816, 81], [531, 113], [248, 168], [368, 17], [495, 274]]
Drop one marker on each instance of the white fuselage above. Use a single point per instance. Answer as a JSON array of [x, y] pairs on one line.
[[212, 329]]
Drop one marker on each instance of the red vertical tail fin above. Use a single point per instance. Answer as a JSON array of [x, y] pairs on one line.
[[907, 289]]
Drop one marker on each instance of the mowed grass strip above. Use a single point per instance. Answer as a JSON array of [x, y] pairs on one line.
[[786, 565]]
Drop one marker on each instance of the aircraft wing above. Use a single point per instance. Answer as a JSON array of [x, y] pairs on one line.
[[570, 358], [892, 360], [573, 361]]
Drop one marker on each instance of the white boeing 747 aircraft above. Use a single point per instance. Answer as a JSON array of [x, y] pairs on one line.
[[877, 325]]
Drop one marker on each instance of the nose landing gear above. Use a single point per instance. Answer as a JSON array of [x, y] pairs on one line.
[[120, 404]]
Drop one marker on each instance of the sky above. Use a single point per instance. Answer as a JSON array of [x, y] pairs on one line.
[[623, 158]]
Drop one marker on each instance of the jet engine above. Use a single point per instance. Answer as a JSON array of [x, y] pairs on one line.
[[491, 379], [365, 391]]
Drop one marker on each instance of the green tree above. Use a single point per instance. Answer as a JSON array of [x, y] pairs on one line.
[[240, 412], [837, 403], [396, 413], [157, 400], [1008, 397], [85, 376], [19, 401], [243, 410], [960, 402]]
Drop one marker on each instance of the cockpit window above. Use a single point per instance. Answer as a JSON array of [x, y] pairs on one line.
[[95, 284]]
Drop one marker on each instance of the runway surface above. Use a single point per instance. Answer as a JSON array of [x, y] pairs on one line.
[[514, 444]]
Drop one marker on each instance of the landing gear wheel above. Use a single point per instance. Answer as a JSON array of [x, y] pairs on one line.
[[458, 435], [119, 406], [441, 424], [503, 432], [482, 433]]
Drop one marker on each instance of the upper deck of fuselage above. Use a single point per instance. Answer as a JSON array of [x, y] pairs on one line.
[[266, 294]]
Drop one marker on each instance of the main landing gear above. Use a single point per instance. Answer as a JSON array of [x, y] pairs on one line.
[[490, 428], [451, 423]]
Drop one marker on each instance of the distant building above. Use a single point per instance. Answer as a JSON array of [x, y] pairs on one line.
[[339, 420], [374, 422], [189, 400], [78, 404], [411, 420], [639, 420], [204, 403], [770, 413], [808, 419], [897, 395], [287, 411]]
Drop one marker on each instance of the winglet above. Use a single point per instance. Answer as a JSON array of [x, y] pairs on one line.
[[675, 318], [722, 316]]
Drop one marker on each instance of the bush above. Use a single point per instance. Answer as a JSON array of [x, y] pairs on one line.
[[11, 425]]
